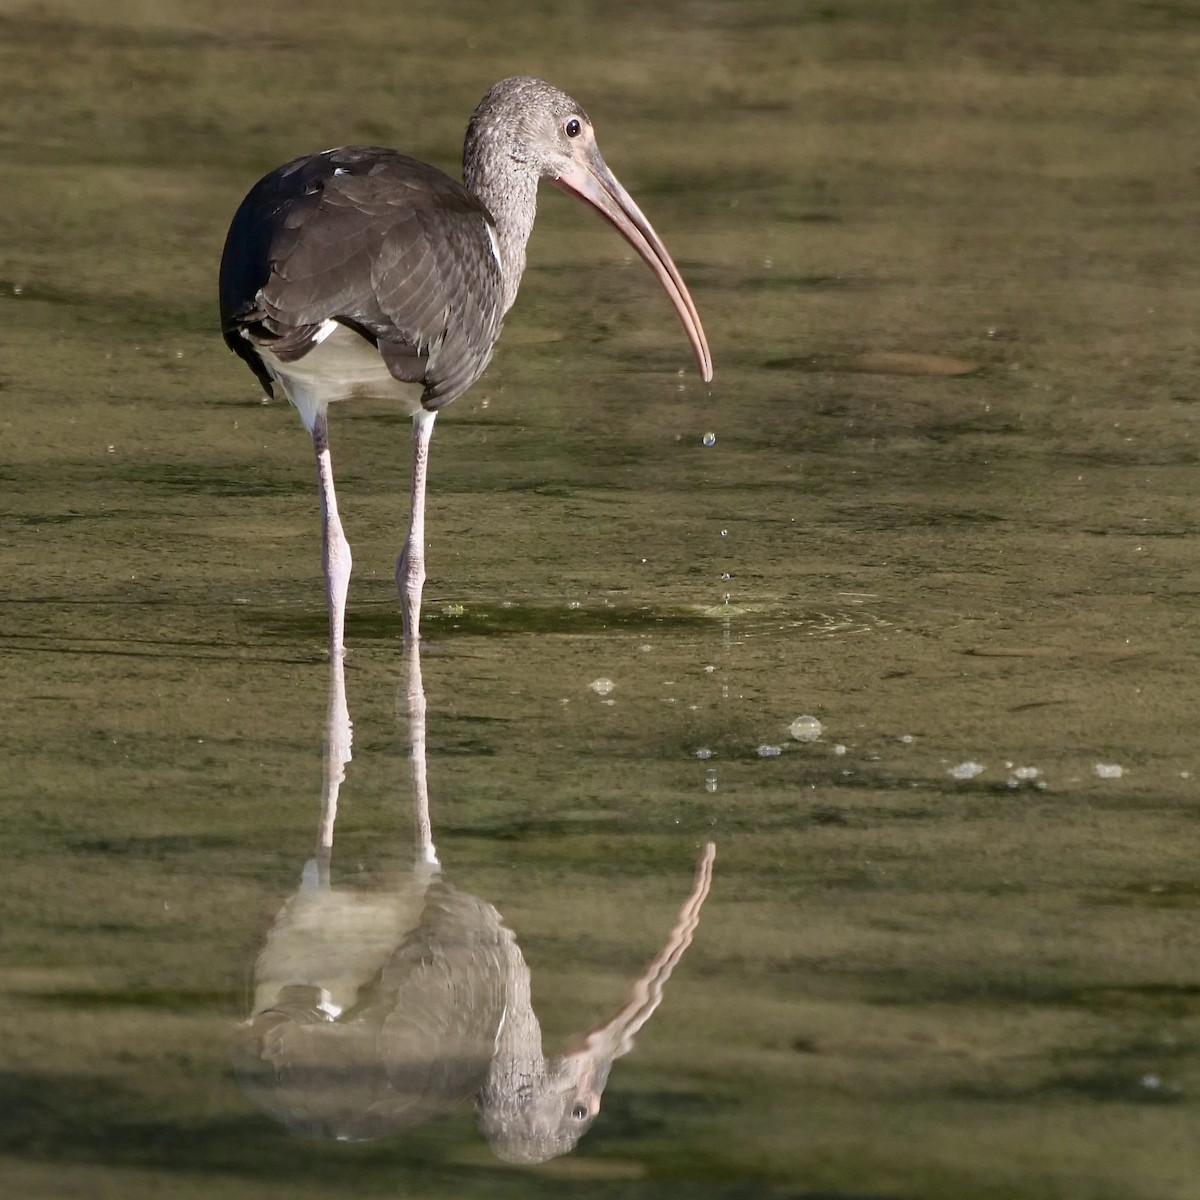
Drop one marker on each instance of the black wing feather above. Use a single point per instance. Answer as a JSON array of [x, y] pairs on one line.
[[384, 243]]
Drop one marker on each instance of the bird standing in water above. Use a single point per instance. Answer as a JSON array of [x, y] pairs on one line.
[[363, 272]]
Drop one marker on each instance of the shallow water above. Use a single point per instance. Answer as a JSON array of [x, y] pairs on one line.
[[946, 259]]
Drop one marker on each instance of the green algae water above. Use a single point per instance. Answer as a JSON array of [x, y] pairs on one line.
[[941, 497]]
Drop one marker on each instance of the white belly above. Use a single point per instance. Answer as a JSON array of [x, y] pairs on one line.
[[341, 366]]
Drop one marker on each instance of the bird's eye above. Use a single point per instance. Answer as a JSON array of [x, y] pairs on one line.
[[580, 1112], [573, 128]]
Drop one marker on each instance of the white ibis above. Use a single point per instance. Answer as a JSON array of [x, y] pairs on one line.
[[361, 271]]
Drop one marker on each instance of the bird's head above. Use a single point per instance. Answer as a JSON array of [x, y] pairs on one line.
[[530, 126], [547, 1115], [529, 122]]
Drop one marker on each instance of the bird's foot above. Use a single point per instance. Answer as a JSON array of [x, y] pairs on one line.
[[410, 583]]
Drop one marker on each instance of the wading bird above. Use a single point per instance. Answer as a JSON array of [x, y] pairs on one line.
[[363, 272]]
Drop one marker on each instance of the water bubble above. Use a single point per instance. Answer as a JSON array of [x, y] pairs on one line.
[[806, 729], [1026, 773], [710, 439], [602, 686], [765, 751], [707, 670], [574, 604], [724, 532], [1109, 770], [907, 739], [966, 770], [839, 749], [704, 753], [726, 577]]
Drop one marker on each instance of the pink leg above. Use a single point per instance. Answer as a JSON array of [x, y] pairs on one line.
[[338, 740], [410, 566], [414, 701], [335, 550]]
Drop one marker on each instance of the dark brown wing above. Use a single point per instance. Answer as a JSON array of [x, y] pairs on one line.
[[383, 243]]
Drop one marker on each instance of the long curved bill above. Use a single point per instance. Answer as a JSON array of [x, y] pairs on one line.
[[613, 1037], [594, 183]]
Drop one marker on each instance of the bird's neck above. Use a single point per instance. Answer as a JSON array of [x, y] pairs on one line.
[[509, 190], [518, 1066], [518, 1054]]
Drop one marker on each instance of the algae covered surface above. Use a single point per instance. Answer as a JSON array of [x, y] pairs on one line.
[[941, 496]]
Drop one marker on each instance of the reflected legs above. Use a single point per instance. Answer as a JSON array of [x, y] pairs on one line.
[[414, 703], [335, 550]]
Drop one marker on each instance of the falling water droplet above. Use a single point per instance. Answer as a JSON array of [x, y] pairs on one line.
[[710, 439]]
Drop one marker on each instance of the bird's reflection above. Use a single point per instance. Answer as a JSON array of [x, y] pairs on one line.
[[375, 1011]]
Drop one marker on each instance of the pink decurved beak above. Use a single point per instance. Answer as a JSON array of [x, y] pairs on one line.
[[594, 183]]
